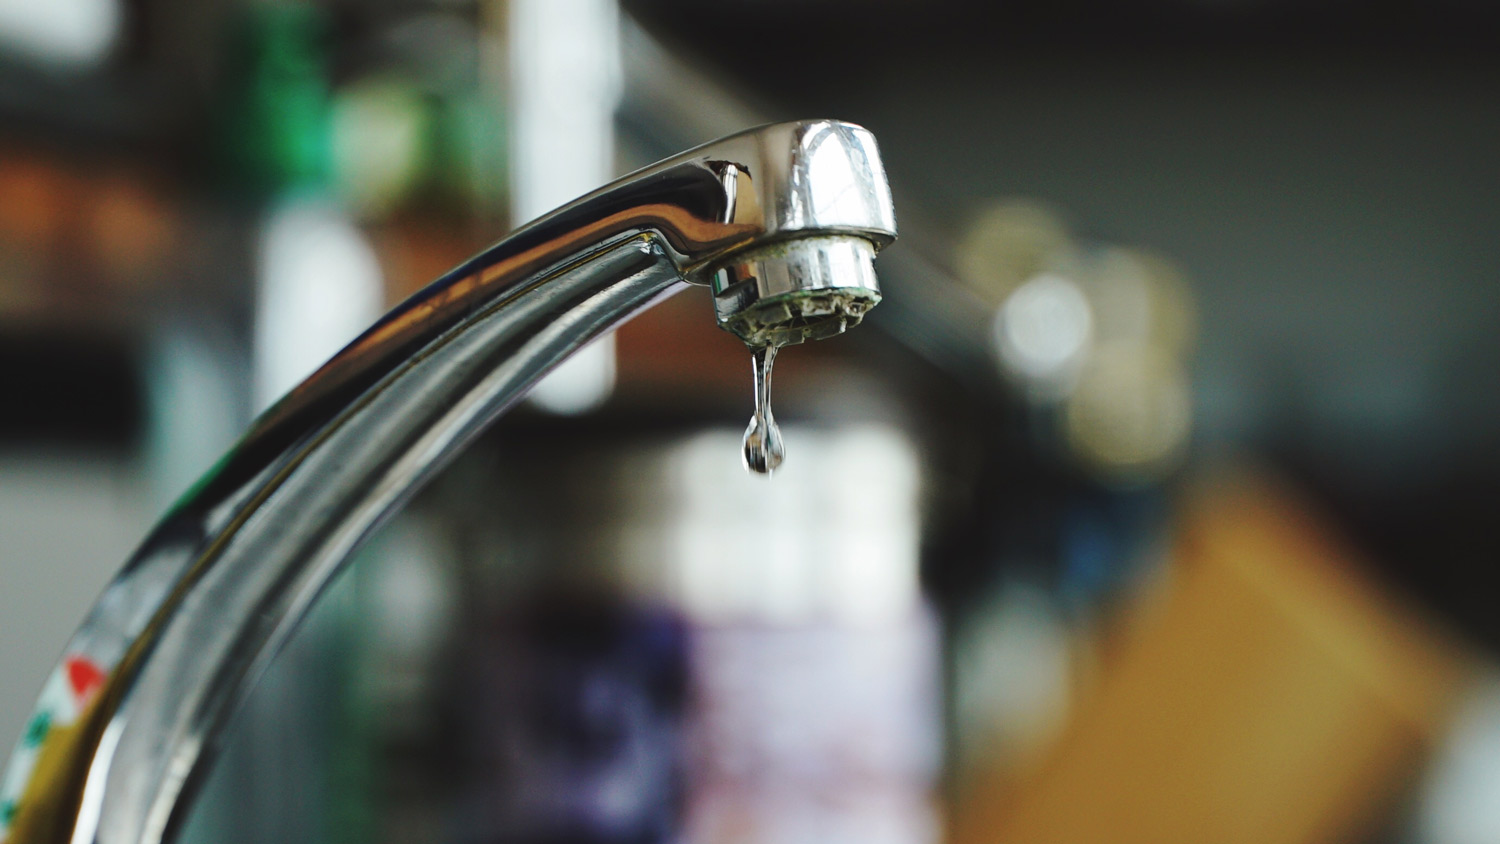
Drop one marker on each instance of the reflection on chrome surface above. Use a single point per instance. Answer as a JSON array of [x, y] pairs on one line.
[[198, 613]]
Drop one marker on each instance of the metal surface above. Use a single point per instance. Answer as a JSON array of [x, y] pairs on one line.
[[787, 293], [668, 100], [172, 647]]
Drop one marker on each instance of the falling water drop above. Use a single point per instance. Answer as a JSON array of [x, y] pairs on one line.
[[764, 449]]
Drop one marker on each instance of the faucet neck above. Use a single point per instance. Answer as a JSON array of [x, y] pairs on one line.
[[200, 610]]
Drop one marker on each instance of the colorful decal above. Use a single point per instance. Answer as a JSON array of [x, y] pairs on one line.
[[69, 690]]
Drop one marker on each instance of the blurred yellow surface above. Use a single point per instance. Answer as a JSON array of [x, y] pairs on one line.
[[1274, 695]]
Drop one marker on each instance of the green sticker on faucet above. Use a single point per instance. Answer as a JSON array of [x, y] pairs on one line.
[[37, 729]]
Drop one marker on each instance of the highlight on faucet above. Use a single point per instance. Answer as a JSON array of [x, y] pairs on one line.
[[1154, 502]]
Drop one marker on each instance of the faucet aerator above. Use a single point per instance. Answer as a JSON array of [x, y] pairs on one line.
[[809, 288]]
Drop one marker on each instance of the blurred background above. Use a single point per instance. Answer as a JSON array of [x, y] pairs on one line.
[[1157, 502]]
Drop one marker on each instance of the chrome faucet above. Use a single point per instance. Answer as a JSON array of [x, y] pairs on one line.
[[781, 223]]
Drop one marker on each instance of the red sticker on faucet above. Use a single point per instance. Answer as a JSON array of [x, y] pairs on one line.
[[84, 678]]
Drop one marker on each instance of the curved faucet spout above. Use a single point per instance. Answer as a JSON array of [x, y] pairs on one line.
[[782, 221]]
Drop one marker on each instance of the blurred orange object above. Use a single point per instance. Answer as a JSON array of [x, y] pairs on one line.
[[1274, 695], [82, 240]]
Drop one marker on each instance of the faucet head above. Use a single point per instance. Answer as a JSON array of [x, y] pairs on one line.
[[813, 200], [808, 288]]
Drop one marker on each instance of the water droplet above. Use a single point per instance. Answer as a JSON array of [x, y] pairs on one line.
[[764, 449]]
